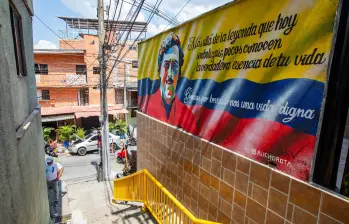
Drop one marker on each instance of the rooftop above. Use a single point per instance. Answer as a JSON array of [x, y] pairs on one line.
[[92, 24], [58, 51]]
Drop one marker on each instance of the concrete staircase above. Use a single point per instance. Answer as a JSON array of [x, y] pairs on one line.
[[90, 203]]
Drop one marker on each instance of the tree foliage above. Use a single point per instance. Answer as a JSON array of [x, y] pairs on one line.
[[119, 126], [47, 133], [65, 132], [80, 132]]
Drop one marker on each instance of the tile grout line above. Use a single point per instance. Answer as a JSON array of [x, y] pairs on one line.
[[275, 213], [279, 191], [266, 211], [250, 197], [309, 213], [248, 183], [288, 201], [320, 206], [251, 190], [332, 218]]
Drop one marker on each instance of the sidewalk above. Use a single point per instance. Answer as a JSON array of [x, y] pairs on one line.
[[91, 203], [63, 210]]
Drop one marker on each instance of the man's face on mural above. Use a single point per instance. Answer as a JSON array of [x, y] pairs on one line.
[[169, 73]]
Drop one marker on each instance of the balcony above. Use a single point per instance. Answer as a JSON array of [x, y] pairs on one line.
[[60, 80], [133, 103]]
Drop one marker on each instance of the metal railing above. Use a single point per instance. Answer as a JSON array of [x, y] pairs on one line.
[[60, 80], [165, 208]]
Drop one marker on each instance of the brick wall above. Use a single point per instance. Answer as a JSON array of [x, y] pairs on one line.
[[60, 64], [70, 44], [94, 96], [222, 186], [60, 97]]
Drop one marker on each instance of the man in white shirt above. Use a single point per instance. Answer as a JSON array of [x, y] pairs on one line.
[[53, 173]]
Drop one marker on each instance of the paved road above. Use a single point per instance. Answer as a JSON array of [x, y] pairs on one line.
[[79, 168]]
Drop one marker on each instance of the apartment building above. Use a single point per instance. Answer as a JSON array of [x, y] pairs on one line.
[[23, 189], [68, 81]]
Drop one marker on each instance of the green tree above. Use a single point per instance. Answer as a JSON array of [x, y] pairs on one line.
[[66, 132], [47, 133], [80, 132], [119, 126]]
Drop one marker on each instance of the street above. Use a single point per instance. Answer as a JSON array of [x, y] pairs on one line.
[[78, 169], [89, 201]]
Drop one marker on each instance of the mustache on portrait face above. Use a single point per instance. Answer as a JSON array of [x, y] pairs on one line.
[[169, 80]]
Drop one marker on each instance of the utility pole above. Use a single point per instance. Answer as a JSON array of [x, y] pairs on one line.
[[103, 94], [125, 89]]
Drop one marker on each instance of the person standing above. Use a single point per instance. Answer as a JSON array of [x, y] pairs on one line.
[[54, 171], [99, 139]]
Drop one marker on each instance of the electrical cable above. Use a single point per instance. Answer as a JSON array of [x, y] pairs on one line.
[[177, 13], [111, 24], [117, 59], [148, 7], [80, 75], [133, 17]]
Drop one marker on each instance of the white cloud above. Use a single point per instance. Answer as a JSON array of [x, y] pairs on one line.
[[45, 44], [87, 8], [154, 29]]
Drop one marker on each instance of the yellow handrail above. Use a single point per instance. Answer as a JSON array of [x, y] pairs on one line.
[[165, 208]]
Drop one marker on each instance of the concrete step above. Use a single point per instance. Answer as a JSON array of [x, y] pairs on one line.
[[91, 202]]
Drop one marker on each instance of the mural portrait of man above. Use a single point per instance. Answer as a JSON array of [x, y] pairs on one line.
[[170, 61], [164, 103]]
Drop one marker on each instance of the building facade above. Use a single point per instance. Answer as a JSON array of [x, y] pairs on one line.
[[68, 83], [23, 190], [214, 132]]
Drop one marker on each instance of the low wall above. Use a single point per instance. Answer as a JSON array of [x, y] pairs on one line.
[[219, 185]]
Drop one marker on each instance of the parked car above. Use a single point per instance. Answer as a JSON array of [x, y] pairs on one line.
[[89, 143]]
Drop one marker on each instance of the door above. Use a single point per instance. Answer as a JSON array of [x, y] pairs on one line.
[[92, 143]]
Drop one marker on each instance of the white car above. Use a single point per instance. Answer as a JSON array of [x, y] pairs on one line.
[[90, 143]]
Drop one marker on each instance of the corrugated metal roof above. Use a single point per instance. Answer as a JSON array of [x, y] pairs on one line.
[[57, 118], [58, 51], [89, 23], [45, 111]]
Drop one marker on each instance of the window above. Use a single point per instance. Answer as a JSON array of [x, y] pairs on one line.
[[38, 94], [331, 166], [94, 138], [134, 64], [134, 113], [80, 69], [132, 47], [96, 70], [45, 94], [17, 41], [119, 96], [41, 69]]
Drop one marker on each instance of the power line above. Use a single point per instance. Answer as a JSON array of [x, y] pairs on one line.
[[148, 7], [80, 75], [55, 33], [111, 24], [133, 17], [149, 19], [178, 13], [123, 26]]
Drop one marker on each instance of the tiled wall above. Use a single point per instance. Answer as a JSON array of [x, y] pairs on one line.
[[219, 185]]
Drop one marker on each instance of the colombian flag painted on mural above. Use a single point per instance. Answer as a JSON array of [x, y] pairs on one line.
[[249, 76]]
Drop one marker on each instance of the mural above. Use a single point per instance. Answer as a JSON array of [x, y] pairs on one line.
[[247, 76]]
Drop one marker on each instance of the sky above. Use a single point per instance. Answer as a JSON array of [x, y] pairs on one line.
[[48, 10]]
